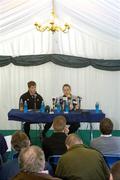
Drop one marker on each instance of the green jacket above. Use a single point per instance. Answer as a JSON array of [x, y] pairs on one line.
[[82, 163]]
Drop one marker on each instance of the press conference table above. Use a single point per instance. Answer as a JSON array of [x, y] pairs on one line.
[[85, 115]]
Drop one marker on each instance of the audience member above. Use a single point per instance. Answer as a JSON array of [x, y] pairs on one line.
[[9, 169], [115, 171], [32, 163], [55, 144], [3, 148], [106, 143], [33, 100], [81, 162], [68, 95]]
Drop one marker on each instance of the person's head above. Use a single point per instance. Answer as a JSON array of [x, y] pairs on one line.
[[66, 90], [32, 159], [19, 140], [106, 126], [59, 123], [31, 87], [72, 140], [115, 171]]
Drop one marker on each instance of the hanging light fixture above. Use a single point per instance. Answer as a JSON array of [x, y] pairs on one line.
[[52, 25]]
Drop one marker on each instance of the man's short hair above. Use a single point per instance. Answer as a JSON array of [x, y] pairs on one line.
[[67, 86], [115, 171], [73, 139], [106, 126], [31, 83], [19, 140], [32, 159], [59, 123]]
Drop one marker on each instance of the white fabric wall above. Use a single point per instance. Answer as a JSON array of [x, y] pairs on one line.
[[94, 33], [91, 84]]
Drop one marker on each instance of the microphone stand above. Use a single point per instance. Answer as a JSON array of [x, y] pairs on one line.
[[79, 101], [35, 107]]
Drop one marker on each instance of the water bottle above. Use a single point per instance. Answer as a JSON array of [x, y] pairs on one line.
[[25, 106], [66, 110], [58, 107], [21, 105], [97, 107], [42, 108]]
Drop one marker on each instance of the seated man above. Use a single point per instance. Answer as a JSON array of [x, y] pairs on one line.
[[32, 163], [3, 148], [9, 169], [106, 143], [33, 100], [55, 144], [81, 162], [66, 93]]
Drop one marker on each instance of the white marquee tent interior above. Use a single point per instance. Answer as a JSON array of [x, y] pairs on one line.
[[94, 33]]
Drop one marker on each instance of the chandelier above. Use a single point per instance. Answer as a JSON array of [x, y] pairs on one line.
[[52, 25]]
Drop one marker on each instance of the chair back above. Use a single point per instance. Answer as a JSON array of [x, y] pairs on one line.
[[110, 159], [53, 161]]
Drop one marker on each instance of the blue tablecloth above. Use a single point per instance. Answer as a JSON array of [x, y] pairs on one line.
[[37, 117]]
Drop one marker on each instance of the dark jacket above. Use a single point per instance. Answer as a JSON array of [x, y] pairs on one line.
[[31, 100], [9, 169], [82, 163], [54, 145]]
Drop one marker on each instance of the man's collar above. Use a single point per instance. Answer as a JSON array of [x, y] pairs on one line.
[[106, 135]]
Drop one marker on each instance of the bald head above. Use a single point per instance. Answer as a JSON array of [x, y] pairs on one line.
[[72, 139], [31, 159]]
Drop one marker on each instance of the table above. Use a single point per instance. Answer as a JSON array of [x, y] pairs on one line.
[[85, 115]]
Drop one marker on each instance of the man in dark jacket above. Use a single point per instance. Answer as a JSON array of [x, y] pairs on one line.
[[55, 144], [33, 100]]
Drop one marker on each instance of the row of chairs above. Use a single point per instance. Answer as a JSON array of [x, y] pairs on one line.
[[53, 160], [110, 159]]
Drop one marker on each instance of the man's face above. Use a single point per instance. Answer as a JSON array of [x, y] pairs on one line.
[[32, 90], [67, 91]]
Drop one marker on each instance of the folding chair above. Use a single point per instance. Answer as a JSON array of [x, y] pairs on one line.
[[110, 159], [53, 161]]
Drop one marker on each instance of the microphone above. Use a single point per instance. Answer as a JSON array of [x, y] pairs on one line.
[[35, 95], [79, 101], [53, 103], [74, 102], [69, 100], [35, 107], [47, 108], [64, 98], [61, 104]]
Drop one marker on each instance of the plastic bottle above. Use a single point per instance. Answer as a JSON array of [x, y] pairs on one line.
[[97, 107], [58, 107], [21, 106], [66, 110], [42, 108], [25, 106]]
